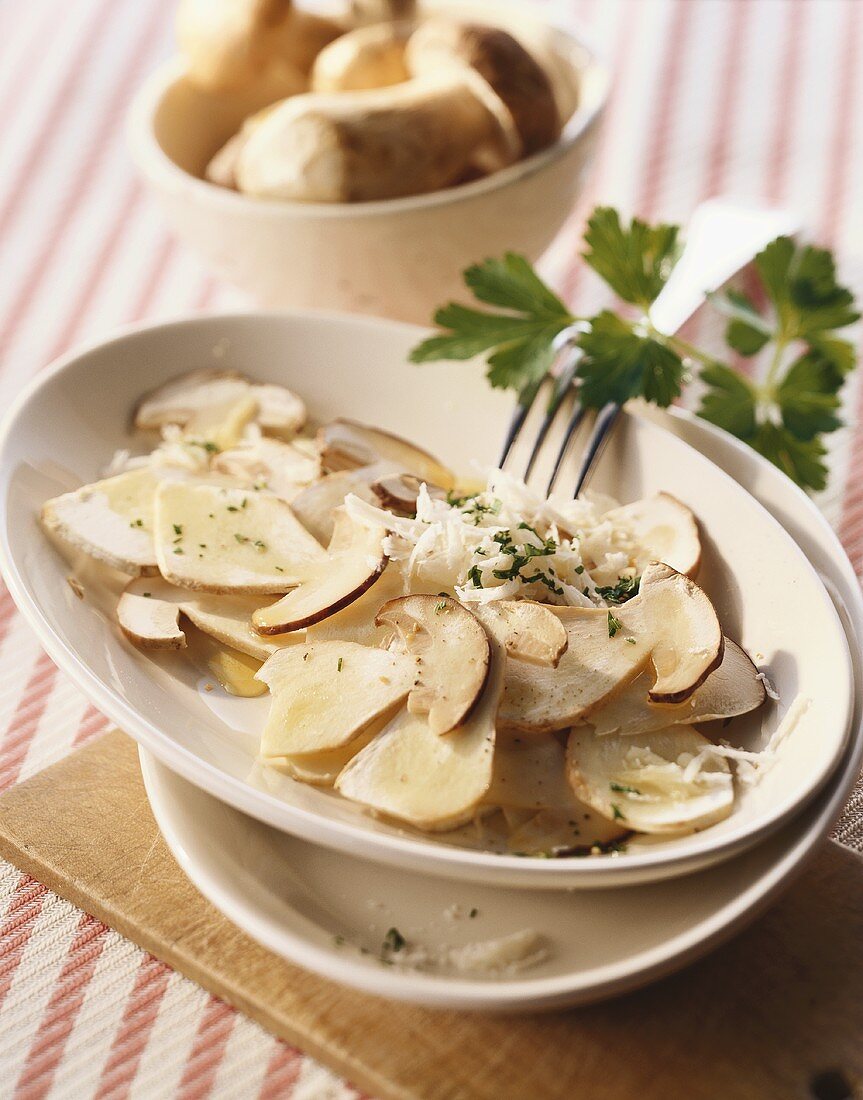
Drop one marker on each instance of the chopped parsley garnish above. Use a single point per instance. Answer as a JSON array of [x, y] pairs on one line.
[[473, 913], [340, 663], [147, 595], [393, 940], [439, 607], [616, 813], [614, 624], [137, 523], [260, 545], [579, 569], [206, 444], [178, 529], [623, 590], [241, 538], [621, 788], [178, 550], [233, 508], [474, 575]]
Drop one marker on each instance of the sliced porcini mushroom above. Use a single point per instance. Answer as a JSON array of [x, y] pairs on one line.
[[352, 563], [221, 426], [433, 783], [226, 619], [316, 505], [348, 445], [322, 769], [372, 56], [266, 463], [356, 622], [665, 781], [732, 689], [326, 693], [399, 493], [110, 520], [146, 620], [688, 643], [179, 400], [217, 539], [532, 632], [665, 529], [452, 651], [364, 12], [529, 784], [511, 73], [671, 623]]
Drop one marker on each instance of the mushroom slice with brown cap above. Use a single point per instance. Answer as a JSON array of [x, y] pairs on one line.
[[356, 622], [732, 689], [399, 493], [326, 693], [148, 620], [433, 783], [348, 445], [217, 539], [671, 623], [182, 398], [452, 650], [688, 643], [110, 520], [511, 73], [665, 781], [226, 619], [532, 632], [322, 769], [352, 563], [665, 529], [221, 426]]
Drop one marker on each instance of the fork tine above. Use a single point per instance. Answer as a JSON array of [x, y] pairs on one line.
[[561, 389], [522, 410], [578, 414], [605, 421]]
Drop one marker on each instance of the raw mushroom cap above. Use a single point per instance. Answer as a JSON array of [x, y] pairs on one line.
[[347, 444], [532, 632], [453, 654], [666, 530]]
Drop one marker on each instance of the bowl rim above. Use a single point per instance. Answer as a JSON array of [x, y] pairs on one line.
[[154, 162], [444, 860]]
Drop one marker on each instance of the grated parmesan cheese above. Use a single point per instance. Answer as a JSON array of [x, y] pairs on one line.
[[506, 542]]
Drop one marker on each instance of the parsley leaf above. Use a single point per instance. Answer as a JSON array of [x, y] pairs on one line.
[[800, 459], [730, 401], [521, 340], [636, 260], [619, 363], [808, 396], [801, 284]]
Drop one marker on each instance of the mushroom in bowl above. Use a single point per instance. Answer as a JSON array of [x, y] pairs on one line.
[[410, 180]]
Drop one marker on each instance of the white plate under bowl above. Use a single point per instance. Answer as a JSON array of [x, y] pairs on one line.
[[296, 898], [66, 426]]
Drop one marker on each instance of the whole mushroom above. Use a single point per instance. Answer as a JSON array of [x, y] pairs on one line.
[[477, 100]]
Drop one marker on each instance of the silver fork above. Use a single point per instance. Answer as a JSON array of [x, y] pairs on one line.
[[723, 236]]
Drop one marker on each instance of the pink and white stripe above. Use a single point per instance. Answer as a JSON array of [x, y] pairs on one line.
[[727, 96]]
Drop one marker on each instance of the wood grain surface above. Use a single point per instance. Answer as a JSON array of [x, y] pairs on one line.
[[778, 1012]]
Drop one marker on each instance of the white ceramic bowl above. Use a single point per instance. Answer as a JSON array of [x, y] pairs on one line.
[[296, 898], [399, 258], [66, 426]]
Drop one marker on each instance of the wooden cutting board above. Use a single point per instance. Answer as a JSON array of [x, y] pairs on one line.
[[778, 1012]]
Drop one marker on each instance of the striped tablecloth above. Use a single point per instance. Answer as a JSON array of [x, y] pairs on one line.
[[756, 98]]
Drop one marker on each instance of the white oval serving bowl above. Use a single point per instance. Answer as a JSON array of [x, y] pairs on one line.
[[67, 425], [296, 899], [399, 258]]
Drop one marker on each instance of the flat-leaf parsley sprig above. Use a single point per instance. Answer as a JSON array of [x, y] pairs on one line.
[[783, 408]]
